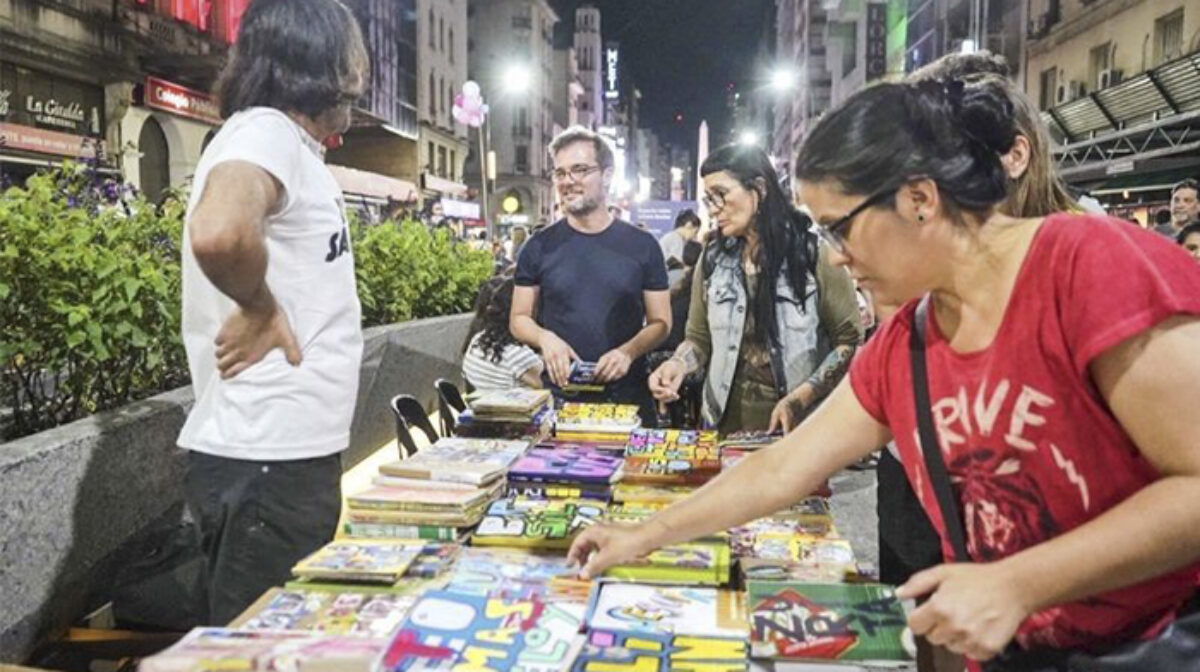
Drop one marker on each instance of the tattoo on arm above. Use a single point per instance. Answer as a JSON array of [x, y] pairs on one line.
[[686, 355], [830, 372]]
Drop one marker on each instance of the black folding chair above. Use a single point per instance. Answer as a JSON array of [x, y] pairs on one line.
[[410, 415], [450, 404]]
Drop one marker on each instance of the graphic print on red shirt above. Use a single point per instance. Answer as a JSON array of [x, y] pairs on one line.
[[1030, 445]]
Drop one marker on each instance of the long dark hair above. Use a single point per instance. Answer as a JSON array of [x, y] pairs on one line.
[[293, 55], [784, 234], [492, 306], [888, 134]]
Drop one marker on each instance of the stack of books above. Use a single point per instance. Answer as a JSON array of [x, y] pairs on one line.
[[671, 457], [536, 523], [565, 471], [381, 561], [604, 425], [516, 413], [799, 543], [348, 612], [435, 494]]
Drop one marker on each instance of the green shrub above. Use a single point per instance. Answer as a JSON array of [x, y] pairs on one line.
[[89, 299], [90, 293], [406, 271]]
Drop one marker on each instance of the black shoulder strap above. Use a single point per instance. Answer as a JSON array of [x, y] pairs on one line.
[[930, 447]]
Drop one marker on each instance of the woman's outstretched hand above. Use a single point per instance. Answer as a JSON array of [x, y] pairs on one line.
[[602, 546]]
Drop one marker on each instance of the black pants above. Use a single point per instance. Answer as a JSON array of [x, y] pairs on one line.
[[257, 519], [907, 541]]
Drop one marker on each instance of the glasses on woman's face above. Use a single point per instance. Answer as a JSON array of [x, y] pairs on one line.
[[714, 200], [835, 234], [575, 173]]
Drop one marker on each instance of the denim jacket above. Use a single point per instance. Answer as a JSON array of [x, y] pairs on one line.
[[803, 343]]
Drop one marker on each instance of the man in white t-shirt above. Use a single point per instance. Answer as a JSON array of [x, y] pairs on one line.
[[687, 225], [271, 318]]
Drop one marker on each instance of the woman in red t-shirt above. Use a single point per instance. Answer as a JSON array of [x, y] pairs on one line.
[[1064, 365]]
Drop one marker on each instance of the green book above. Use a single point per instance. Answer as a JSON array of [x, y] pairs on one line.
[[696, 563], [393, 531], [859, 622]]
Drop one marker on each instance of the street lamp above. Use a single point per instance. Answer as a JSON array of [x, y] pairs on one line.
[[783, 79], [517, 78]]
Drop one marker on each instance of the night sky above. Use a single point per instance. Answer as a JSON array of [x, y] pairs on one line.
[[682, 54]]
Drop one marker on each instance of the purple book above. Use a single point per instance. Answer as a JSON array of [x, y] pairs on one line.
[[566, 465]]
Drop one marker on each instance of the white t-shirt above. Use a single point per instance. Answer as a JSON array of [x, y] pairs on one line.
[[672, 246], [272, 410], [484, 374]]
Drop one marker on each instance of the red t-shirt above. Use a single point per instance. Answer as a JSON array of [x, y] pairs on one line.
[[1031, 447]]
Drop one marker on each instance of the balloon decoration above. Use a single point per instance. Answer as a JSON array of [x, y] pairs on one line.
[[469, 107]]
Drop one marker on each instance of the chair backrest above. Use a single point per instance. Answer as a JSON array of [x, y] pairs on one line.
[[450, 404], [410, 415]]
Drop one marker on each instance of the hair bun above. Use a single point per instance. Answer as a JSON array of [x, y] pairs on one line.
[[984, 114]]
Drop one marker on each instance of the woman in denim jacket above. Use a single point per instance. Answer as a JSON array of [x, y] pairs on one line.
[[772, 321]]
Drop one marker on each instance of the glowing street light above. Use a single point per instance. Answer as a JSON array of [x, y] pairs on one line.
[[517, 78], [748, 138], [968, 47], [783, 79]]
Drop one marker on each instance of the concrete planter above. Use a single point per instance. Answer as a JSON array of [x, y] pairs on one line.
[[73, 496]]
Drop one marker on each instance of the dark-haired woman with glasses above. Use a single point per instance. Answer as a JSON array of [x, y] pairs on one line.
[[1061, 362], [772, 321]]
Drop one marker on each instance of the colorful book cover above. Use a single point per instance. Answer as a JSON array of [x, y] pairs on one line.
[[447, 630], [507, 571], [208, 649], [459, 459], [578, 417], [690, 563], [606, 651], [540, 490], [345, 613], [393, 498], [671, 457], [355, 530], [745, 539], [434, 560], [515, 401], [821, 550], [828, 621], [566, 465], [535, 523], [650, 494], [697, 611], [373, 560]]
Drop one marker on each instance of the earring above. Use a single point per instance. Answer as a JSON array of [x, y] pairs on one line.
[[920, 218]]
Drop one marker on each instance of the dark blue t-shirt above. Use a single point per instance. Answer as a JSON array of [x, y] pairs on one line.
[[590, 285]]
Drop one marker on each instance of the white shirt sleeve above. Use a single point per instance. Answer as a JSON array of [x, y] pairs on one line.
[[267, 139]]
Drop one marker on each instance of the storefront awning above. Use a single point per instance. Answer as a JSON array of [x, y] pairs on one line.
[[1144, 181], [374, 185]]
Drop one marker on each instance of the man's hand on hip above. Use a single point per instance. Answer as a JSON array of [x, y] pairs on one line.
[[249, 334]]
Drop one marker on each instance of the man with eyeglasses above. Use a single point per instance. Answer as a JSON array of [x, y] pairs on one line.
[[591, 287]]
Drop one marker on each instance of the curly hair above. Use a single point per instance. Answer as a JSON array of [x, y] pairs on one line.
[[492, 306]]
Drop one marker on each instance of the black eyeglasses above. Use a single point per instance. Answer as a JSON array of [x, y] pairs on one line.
[[575, 173], [835, 233]]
